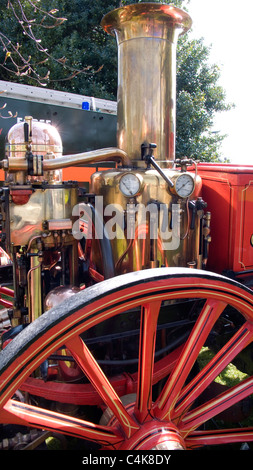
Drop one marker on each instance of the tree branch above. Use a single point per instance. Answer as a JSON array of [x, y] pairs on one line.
[[15, 62]]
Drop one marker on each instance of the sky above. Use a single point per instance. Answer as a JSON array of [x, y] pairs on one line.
[[226, 26]]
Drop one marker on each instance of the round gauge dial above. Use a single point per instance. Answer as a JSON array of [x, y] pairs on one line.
[[184, 185], [129, 184]]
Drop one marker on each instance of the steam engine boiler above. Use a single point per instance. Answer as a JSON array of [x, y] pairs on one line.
[[43, 216]]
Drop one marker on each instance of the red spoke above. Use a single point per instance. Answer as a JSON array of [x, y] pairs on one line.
[[203, 413], [217, 437], [207, 317], [90, 367], [233, 347], [148, 327], [26, 415]]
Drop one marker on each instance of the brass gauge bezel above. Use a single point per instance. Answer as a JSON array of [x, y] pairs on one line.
[[126, 190], [180, 191]]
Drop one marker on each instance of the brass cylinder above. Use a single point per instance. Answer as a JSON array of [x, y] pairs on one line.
[[147, 36]]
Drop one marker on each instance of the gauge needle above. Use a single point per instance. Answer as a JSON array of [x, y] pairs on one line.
[[127, 187], [184, 184]]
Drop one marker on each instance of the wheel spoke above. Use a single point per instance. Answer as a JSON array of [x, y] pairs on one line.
[[203, 413], [27, 415], [92, 370], [217, 437], [233, 347], [148, 327], [168, 398]]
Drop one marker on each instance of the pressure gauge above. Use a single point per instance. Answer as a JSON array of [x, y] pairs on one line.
[[129, 184], [184, 185]]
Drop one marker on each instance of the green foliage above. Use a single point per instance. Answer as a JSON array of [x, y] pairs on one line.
[[82, 58], [85, 46], [199, 98], [229, 376]]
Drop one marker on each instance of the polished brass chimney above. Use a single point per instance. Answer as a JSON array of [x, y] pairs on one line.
[[147, 36]]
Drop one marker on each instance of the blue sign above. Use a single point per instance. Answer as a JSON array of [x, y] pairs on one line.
[[86, 105]]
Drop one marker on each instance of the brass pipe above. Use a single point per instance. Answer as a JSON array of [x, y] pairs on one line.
[[34, 289], [13, 164], [94, 156]]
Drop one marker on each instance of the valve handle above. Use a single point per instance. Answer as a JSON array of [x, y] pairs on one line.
[[147, 155]]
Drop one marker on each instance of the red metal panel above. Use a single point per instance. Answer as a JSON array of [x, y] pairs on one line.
[[247, 240], [228, 191]]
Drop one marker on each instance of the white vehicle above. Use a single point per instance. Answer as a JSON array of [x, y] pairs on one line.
[[84, 122]]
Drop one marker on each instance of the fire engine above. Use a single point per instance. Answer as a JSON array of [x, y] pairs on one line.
[[125, 300]]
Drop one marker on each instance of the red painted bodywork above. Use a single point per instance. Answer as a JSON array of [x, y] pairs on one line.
[[228, 191]]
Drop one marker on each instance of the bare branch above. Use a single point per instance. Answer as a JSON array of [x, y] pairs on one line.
[[15, 62]]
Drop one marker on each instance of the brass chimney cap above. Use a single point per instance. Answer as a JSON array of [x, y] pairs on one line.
[[163, 14]]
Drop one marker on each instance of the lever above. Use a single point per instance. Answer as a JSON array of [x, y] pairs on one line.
[[26, 132], [147, 155]]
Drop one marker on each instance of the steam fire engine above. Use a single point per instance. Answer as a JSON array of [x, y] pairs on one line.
[[130, 296]]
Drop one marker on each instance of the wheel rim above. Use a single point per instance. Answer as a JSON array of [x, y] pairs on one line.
[[171, 413]]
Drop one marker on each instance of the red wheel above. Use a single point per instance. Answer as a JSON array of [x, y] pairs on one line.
[[172, 414]]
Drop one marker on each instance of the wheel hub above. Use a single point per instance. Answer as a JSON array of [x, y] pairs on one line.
[[152, 433], [155, 435]]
